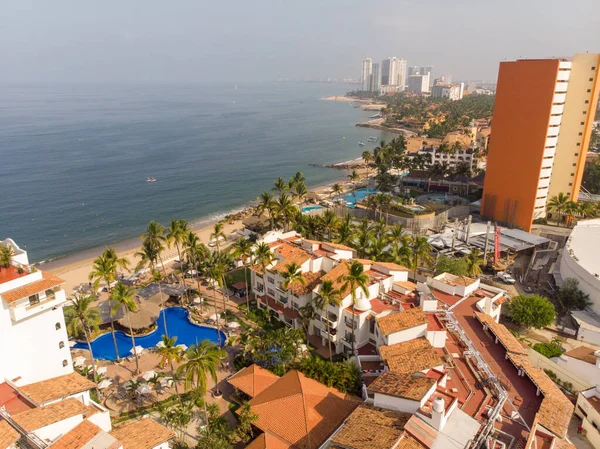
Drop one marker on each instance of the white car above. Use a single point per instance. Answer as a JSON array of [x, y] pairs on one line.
[[506, 278]]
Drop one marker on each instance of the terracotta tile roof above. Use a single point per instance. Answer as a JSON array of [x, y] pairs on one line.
[[406, 284], [410, 356], [286, 311], [378, 306], [56, 388], [396, 322], [47, 282], [507, 339], [337, 246], [371, 427], [300, 410], [334, 274], [39, 417], [143, 434], [268, 441], [81, 435], [253, 379], [8, 435], [391, 266], [421, 432], [298, 258], [408, 442], [446, 298], [407, 386], [556, 409], [311, 281], [583, 353]]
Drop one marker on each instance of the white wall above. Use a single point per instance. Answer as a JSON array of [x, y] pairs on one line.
[[585, 371], [406, 335], [570, 268], [102, 420], [55, 430], [437, 338], [394, 403]]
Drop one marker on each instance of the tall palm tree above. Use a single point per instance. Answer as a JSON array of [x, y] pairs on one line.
[[328, 295], [292, 275], [558, 203], [242, 248], [176, 233], [122, 298], [201, 361], [400, 253], [345, 230], [329, 220], [148, 256], [194, 251], [280, 185], [300, 191], [155, 238], [354, 279], [170, 353], [421, 252], [285, 209], [157, 278], [368, 158], [265, 204], [263, 255], [474, 261], [218, 234], [120, 262], [354, 177], [104, 268], [337, 189], [298, 179], [81, 316]]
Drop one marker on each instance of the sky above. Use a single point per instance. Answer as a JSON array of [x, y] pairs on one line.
[[182, 41]]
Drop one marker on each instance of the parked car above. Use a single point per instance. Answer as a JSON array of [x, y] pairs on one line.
[[505, 277]]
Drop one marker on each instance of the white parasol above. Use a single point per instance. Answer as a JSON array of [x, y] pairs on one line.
[[233, 325], [137, 350], [79, 361], [72, 343], [104, 384], [160, 344], [182, 347], [214, 317], [143, 389], [102, 370], [148, 375], [197, 300]]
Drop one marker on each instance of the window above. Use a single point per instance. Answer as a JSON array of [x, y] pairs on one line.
[[584, 112], [34, 299], [572, 174], [587, 101], [589, 90], [61, 345], [581, 134], [57, 326], [594, 67], [583, 123], [574, 164], [576, 154], [372, 326], [578, 144], [271, 292], [260, 287], [270, 279], [570, 184], [65, 363]]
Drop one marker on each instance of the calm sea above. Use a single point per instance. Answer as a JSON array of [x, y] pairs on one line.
[[74, 159]]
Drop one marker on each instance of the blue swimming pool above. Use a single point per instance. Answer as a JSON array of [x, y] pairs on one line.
[[177, 325], [360, 194], [311, 208]]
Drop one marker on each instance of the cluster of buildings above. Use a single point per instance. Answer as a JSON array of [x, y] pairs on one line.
[[393, 75], [44, 403], [437, 368]]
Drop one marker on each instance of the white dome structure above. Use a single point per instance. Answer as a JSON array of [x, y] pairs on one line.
[[363, 304]]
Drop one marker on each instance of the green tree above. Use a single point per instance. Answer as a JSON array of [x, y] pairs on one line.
[[292, 275], [531, 311], [217, 234], [6, 255], [368, 158], [155, 238], [558, 203], [474, 262], [122, 298], [263, 255], [329, 220], [280, 185], [176, 234], [246, 417], [570, 297], [285, 210], [421, 252], [336, 189], [242, 249], [170, 353], [354, 177], [328, 296], [591, 176], [354, 279], [456, 266]]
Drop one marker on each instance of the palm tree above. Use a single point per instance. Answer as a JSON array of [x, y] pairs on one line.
[[587, 209], [81, 316], [263, 255], [292, 275], [122, 298], [218, 234], [474, 262], [571, 209], [104, 268], [202, 360], [279, 185], [337, 189], [368, 158], [345, 230], [364, 238], [354, 279], [176, 233], [194, 251], [6, 254], [285, 209], [170, 353], [148, 256], [421, 251], [157, 278], [120, 262], [558, 203], [354, 177], [298, 179], [329, 220], [307, 314], [328, 295], [155, 238], [300, 191], [266, 204], [243, 249], [400, 253]]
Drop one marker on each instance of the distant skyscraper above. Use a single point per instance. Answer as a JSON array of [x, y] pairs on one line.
[[401, 74], [542, 123], [413, 70], [447, 78], [375, 78], [393, 72], [365, 76], [428, 70], [418, 83]]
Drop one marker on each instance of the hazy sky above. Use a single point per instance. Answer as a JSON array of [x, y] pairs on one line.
[[231, 40]]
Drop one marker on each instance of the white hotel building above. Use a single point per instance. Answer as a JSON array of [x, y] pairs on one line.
[[44, 403]]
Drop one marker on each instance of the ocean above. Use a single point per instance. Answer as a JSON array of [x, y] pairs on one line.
[[74, 158]]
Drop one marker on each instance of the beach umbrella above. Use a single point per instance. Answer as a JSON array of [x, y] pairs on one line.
[[233, 325], [102, 370], [143, 389], [148, 375], [166, 382], [104, 384], [182, 347], [79, 361], [160, 344], [214, 317], [197, 300], [72, 343], [137, 350]]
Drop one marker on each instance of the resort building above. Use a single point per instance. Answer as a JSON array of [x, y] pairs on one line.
[[393, 73], [418, 83], [543, 118], [44, 403], [588, 409], [451, 91]]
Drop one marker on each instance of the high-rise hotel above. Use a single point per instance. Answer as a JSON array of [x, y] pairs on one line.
[[541, 128]]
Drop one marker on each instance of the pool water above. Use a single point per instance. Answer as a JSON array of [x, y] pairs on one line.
[[177, 325], [311, 208], [360, 194]]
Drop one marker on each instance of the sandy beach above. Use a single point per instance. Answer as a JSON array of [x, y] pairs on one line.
[[344, 99]]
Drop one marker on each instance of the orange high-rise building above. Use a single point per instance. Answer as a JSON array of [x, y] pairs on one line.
[[541, 128]]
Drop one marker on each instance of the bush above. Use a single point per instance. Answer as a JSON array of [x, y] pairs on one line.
[[548, 350], [531, 311]]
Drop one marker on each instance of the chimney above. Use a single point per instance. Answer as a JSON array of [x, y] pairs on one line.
[[597, 355], [438, 420]]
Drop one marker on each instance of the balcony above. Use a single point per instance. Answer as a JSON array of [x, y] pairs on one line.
[[259, 288], [283, 299], [350, 324], [22, 311]]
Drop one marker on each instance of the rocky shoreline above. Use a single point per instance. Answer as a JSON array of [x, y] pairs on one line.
[[386, 129]]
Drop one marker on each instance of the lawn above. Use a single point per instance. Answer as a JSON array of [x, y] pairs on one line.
[[237, 275]]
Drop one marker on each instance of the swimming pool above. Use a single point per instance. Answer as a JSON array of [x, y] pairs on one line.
[[177, 325], [311, 208], [360, 194]]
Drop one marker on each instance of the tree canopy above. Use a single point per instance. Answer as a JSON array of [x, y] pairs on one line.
[[570, 297], [591, 177], [456, 266], [532, 311]]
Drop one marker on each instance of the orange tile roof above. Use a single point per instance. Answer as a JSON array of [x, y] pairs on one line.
[[583, 353], [300, 410], [370, 427], [81, 435], [410, 356], [253, 379], [8, 435], [337, 246], [396, 322], [391, 266], [406, 284], [335, 273], [143, 434], [47, 282], [311, 280], [407, 386], [507, 339], [408, 442], [268, 441], [39, 417], [297, 258], [56, 388]]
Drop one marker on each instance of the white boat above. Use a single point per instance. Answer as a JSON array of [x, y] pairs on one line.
[[149, 179], [361, 144]]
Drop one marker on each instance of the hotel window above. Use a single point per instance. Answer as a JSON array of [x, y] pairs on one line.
[[57, 326], [583, 123], [270, 279], [34, 299], [587, 101], [591, 79], [372, 326], [570, 184], [572, 174], [61, 345], [589, 90], [65, 363], [581, 134], [593, 67], [578, 144], [271, 292], [576, 154]]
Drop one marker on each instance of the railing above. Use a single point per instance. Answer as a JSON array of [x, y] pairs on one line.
[[46, 300], [31, 439]]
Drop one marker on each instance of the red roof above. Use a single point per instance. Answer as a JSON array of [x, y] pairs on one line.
[[10, 273], [445, 297], [11, 399], [433, 323], [278, 307], [378, 306]]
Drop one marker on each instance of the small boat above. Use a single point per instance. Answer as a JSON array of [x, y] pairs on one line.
[[361, 144], [149, 179]]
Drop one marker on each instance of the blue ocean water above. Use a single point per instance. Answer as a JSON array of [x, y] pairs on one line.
[[74, 158], [178, 326]]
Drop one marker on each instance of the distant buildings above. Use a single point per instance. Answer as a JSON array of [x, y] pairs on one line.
[[365, 74], [451, 91], [542, 124], [375, 78], [393, 72], [418, 83]]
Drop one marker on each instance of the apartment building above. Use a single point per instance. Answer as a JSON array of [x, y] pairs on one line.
[[543, 118], [588, 409], [451, 91]]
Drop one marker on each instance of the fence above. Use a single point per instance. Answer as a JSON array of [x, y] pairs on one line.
[[539, 361]]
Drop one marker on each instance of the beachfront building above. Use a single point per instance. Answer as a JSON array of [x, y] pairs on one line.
[[393, 73], [365, 74], [43, 401], [451, 91]]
